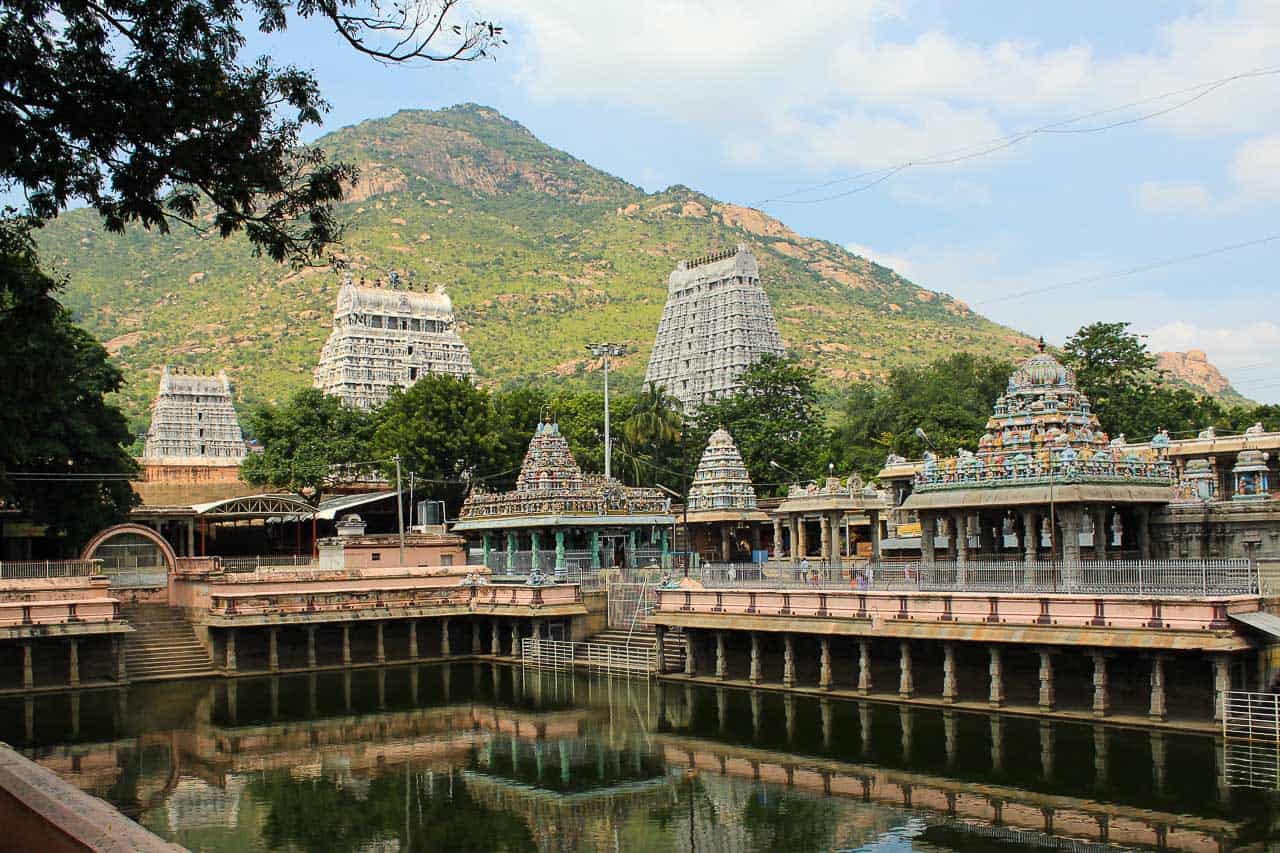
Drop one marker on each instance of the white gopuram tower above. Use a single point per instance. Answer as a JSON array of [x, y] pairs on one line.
[[388, 337], [717, 322], [194, 418]]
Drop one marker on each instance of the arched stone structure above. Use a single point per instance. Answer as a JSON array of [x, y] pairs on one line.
[[103, 536]]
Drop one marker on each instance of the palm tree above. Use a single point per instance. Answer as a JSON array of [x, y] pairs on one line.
[[654, 426]]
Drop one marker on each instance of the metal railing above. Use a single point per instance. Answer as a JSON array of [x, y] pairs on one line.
[[1118, 577], [258, 563], [629, 603], [44, 569], [595, 657], [138, 579], [1251, 716]]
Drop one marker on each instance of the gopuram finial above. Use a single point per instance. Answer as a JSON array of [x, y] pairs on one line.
[[1040, 344]]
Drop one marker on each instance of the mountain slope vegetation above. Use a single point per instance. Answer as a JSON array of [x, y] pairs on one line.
[[540, 252]]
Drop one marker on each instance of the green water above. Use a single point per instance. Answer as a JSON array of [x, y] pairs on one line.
[[486, 757]]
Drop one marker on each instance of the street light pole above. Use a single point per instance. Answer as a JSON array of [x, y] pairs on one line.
[[399, 509], [604, 351]]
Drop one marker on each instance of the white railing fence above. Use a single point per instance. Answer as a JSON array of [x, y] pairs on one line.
[[1251, 739], [630, 603], [1134, 577], [258, 563], [594, 657], [44, 569]]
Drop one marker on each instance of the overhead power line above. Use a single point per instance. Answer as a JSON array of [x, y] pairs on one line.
[[1141, 268], [996, 144]]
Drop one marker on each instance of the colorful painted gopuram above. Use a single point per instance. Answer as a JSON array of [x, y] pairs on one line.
[[1046, 472], [723, 519], [587, 521]]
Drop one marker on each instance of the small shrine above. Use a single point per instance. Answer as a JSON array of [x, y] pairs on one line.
[[558, 518], [847, 512], [723, 520], [1251, 476], [1043, 456]]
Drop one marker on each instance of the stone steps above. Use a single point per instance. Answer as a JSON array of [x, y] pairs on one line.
[[162, 646]]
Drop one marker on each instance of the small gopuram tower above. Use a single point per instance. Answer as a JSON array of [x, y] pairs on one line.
[[1046, 473], [193, 418], [717, 322], [723, 520], [558, 518], [388, 337]]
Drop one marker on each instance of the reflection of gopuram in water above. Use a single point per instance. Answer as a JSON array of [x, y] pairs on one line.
[[488, 756]]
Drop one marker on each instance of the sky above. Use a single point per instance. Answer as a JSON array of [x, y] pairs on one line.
[[783, 106]]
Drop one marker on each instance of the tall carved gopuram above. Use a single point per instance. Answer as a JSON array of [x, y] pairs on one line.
[[193, 418], [388, 337], [717, 322]]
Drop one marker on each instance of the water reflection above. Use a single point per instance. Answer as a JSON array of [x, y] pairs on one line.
[[489, 757]]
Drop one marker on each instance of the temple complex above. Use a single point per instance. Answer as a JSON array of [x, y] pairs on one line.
[[723, 519], [388, 337], [193, 419], [557, 517], [1046, 473], [717, 322], [848, 516]]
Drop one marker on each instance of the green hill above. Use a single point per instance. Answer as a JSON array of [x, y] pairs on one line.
[[540, 252]]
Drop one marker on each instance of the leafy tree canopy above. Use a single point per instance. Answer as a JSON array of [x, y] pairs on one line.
[[145, 110], [61, 459], [303, 440], [774, 417]]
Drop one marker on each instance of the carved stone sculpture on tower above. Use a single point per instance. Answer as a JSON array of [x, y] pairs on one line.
[[194, 418]]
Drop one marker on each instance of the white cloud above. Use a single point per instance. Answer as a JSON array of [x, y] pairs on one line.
[[898, 263], [1256, 167], [823, 87], [1156, 197]]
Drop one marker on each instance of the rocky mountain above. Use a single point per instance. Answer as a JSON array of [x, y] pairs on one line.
[[1192, 369], [540, 252]]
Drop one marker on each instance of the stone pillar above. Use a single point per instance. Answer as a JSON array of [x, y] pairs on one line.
[[446, 648], [690, 658], [595, 549], [117, 649], [788, 660], [927, 539], [311, 646], [824, 537], [875, 536], [802, 538], [960, 537], [346, 645], [995, 669], [1030, 535], [381, 651], [726, 542], [824, 663], [484, 545], [755, 658], [1101, 693], [535, 550], [273, 649], [1157, 711], [74, 662], [562, 565], [1221, 684], [721, 664], [512, 548], [777, 537], [495, 643], [515, 638], [1099, 532], [475, 637], [906, 684], [191, 537], [413, 639], [864, 667], [837, 551], [1069, 519], [1046, 680], [660, 648], [949, 673], [231, 650]]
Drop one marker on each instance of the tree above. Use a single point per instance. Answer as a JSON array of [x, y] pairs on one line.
[[517, 412], [651, 436], [61, 459], [442, 427], [144, 110], [774, 417], [305, 442], [950, 399]]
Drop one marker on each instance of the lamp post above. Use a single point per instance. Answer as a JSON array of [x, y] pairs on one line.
[[604, 351]]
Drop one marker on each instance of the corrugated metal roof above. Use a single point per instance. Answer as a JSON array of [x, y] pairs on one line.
[[1259, 620]]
